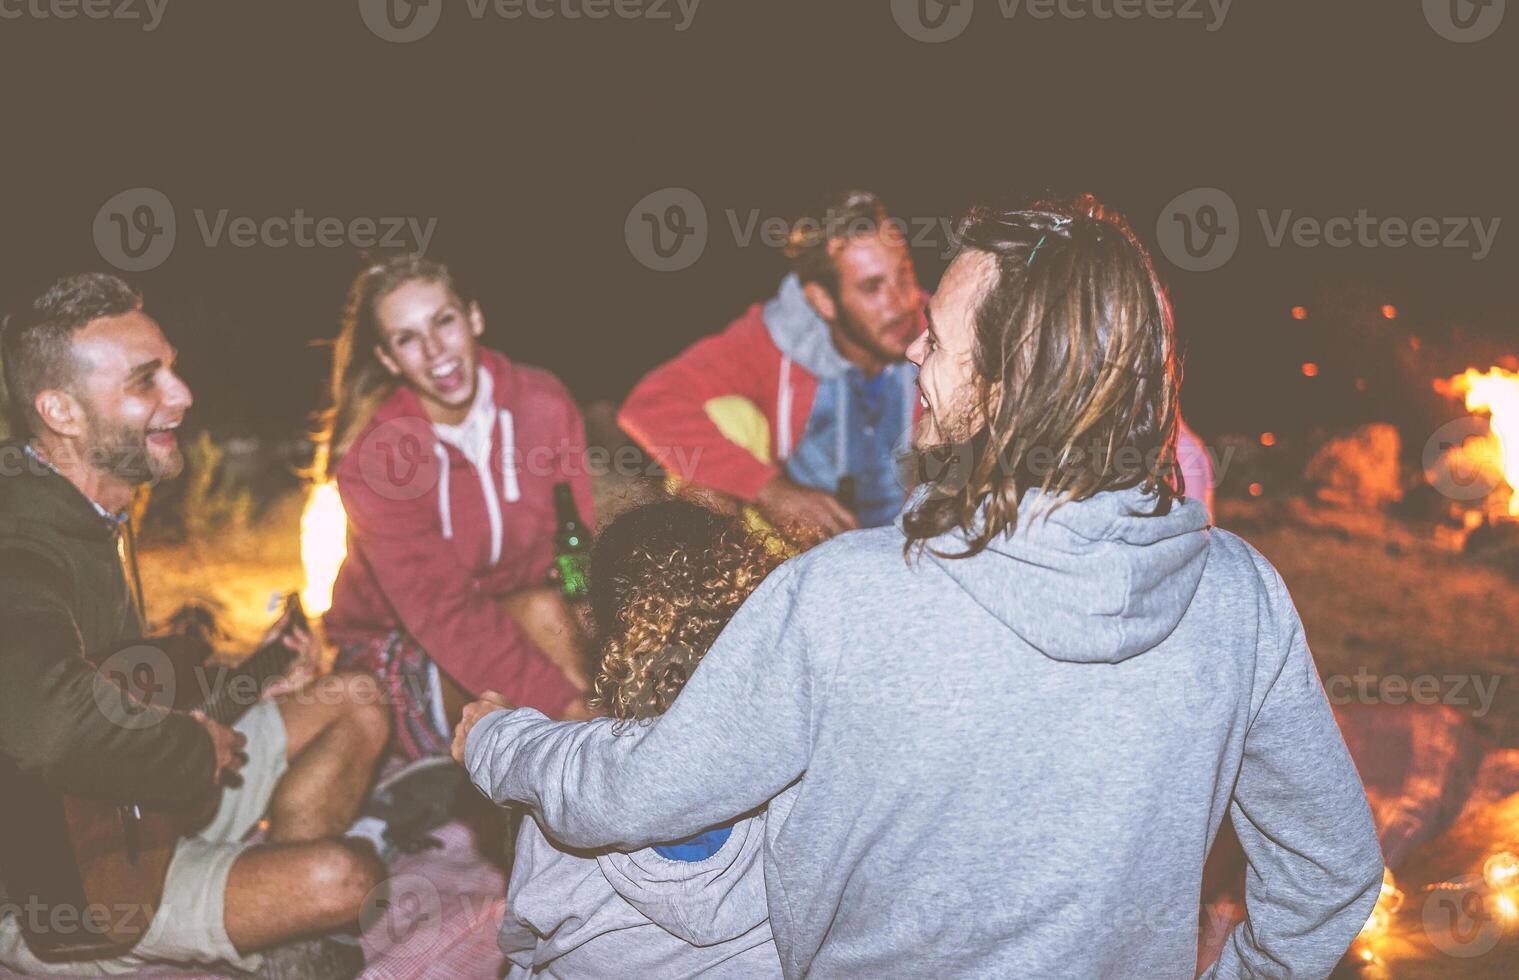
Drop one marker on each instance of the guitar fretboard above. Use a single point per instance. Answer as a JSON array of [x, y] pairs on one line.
[[228, 702]]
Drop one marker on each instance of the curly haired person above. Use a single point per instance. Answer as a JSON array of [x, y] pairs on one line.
[[665, 580]]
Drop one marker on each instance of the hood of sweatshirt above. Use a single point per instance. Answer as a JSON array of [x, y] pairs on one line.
[[702, 902], [800, 333], [35, 501], [1096, 581]]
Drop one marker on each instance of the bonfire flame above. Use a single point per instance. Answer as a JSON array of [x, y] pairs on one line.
[[324, 545], [1495, 392]]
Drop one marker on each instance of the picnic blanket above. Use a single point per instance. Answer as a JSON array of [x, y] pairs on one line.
[[1425, 769]]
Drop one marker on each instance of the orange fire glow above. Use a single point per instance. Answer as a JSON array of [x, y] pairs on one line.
[[324, 545], [1495, 392]]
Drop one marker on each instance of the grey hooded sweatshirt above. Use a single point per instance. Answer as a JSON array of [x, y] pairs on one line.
[[608, 914], [1011, 765]]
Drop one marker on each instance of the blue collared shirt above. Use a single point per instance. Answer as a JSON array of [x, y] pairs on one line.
[[876, 416]]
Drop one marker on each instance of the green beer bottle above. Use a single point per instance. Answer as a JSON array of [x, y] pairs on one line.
[[572, 546]]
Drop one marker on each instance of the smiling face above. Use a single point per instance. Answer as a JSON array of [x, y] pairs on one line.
[[427, 339], [874, 312], [945, 353], [130, 400]]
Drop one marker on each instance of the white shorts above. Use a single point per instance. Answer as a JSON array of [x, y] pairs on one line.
[[190, 924]]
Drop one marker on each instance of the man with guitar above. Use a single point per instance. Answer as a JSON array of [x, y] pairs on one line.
[[93, 756]]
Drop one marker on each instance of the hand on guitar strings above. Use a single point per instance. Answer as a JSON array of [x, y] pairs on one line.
[[228, 744], [300, 640]]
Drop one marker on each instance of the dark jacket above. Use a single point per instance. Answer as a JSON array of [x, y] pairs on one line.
[[65, 608]]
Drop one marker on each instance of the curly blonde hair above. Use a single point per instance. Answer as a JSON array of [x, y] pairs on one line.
[[665, 580]]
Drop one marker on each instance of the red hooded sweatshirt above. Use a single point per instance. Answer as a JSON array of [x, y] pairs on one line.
[[773, 356], [433, 539]]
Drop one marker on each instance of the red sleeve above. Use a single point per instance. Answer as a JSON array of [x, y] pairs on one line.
[[439, 603], [666, 412]]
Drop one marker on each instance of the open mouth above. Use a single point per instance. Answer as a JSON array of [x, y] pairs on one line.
[[448, 377], [164, 436]]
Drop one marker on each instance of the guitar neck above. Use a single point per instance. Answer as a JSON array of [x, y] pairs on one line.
[[230, 699]]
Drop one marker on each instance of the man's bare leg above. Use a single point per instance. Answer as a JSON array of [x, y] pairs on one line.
[[335, 729], [278, 893]]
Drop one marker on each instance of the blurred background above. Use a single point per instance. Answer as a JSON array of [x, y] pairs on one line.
[[526, 141]]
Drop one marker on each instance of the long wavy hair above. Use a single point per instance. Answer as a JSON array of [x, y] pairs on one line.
[[1076, 375], [359, 383], [665, 579]]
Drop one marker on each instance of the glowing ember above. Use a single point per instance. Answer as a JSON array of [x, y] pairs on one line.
[[1501, 870], [1389, 901], [1495, 392], [324, 545]]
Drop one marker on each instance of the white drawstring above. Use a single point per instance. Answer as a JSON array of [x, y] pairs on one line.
[[509, 458], [445, 507], [783, 411]]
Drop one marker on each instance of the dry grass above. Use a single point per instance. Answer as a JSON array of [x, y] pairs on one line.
[[236, 574]]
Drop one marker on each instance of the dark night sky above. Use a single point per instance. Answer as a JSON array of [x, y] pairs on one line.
[[530, 140]]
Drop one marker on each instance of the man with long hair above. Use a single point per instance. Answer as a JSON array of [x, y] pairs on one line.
[[998, 738]]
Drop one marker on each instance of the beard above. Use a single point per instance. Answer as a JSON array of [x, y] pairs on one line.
[[856, 331], [122, 451]]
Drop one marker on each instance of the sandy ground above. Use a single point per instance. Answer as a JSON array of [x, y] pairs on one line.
[[1383, 605]]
